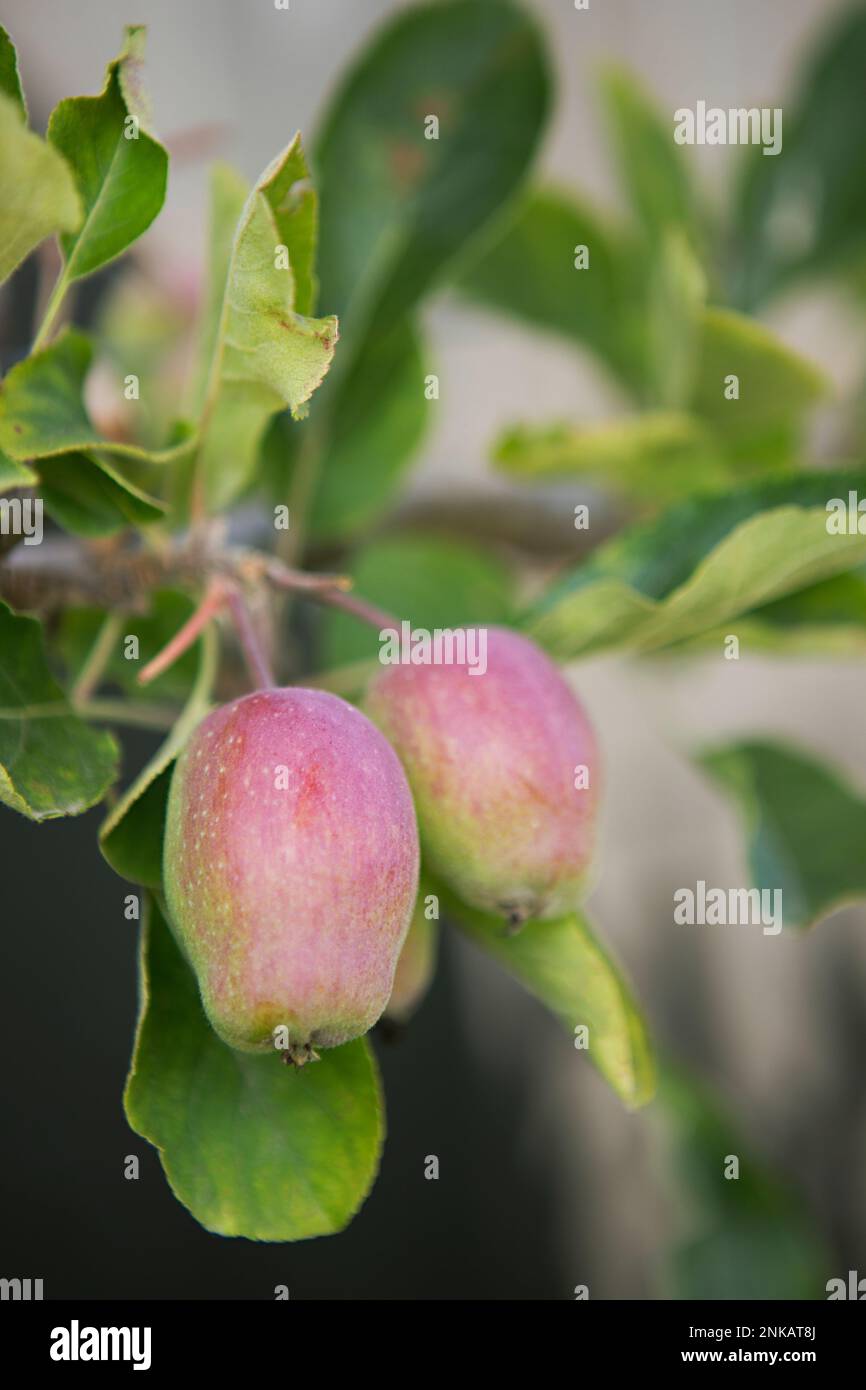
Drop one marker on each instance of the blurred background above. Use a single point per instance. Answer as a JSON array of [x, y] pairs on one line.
[[545, 1181]]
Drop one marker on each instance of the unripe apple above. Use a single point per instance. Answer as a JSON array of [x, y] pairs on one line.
[[416, 966], [503, 768], [291, 869]]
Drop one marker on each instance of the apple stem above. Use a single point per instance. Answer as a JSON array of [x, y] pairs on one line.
[[299, 1054], [252, 647]]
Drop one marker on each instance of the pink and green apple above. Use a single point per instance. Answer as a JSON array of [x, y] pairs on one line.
[[291, 869]]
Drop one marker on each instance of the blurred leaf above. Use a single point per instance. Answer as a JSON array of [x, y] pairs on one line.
[[14, 474], [119, 168], [835, 602], [397, 206], [375, 418], [701, 563], [89, 497], [37, 190], [803, 211], [51, 763], [806, 830], [429, 582], [675, 294], [659, 456], [776, 386], [10, 82], [42, 411], [527, 268], [748, 1237], [825, 619], [653, 168], [251, 1147], [266, 355], [141, 329], [563, 964], [131, 835]]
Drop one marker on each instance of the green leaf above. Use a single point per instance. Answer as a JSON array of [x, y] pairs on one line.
[[37, 190], [366, 428], [430, 582], [10, 82], [664, 455], [120, 169], [228, 194], [806, 829], [803, 212], [658, 456], [266, 355], [827, 619], [564, 965], [131, 835], [777, 387], [832, 614], [89, 497], [700, 564], [652, 166], [397, 209], [251, 1147], [42, 411], [397, 206], [51, 763], [375, 418], [14, 474], [527, 269], [674, 305], [295, 207]]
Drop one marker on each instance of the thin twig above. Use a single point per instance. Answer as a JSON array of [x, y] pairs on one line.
[[91, 673], [330, 590], [359, 608], [254, 654], [110, 711], [128, 712]]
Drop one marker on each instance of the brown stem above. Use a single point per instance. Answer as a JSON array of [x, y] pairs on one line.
[[120, 579], [330, 590], [359, 608], [65, 576]]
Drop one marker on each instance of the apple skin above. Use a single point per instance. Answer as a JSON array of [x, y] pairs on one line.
[[491, 759], [291, 869]]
